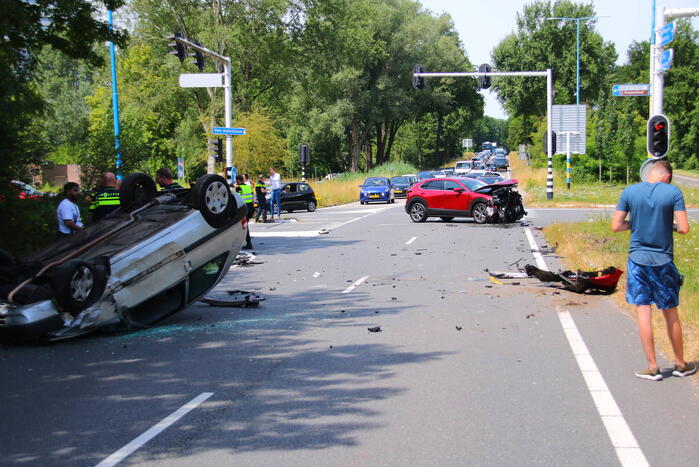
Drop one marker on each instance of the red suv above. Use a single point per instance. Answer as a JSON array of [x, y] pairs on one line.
[[448, 198]]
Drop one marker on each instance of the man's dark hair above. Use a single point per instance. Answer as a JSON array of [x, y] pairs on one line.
[[664, 165], [239, 179], [164, 172], [69, 186]]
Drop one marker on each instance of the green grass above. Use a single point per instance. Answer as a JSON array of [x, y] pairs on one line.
[[533, 183], [592, 245]]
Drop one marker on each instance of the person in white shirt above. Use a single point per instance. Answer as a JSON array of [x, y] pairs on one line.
[[68, 213], [275, 181]]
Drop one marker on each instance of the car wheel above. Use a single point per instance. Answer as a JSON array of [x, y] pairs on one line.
[[137, 189], [311, 206], [393, 200], [78, 284], [362, 202], [212, 197], [447, 218], [418, 212], [289, 210], [480, 213]]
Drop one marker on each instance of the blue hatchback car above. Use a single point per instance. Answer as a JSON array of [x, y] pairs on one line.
[[377, 189], [400, 186]]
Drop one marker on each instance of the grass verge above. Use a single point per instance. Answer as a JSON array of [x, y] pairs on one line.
[[592, 245], [532, 182]]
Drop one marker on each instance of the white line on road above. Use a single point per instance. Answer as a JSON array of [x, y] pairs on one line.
[[288, 233], [154, 431], [627, 449], [411, 241], [353, 286]]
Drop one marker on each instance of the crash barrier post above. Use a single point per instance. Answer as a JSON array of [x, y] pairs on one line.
[[549, 103]]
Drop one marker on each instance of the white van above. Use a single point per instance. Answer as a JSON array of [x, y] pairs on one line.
[[462, 167]]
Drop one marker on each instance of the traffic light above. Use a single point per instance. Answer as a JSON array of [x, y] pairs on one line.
[[553, 143], [418, 81], [216, 149], [198, 58], [304, 154], [178, 49], [658, 136], [484, 81]]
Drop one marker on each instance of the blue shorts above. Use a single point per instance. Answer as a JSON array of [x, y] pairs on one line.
[[646, 285]]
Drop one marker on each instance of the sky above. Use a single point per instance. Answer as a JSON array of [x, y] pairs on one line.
[[483, 24]]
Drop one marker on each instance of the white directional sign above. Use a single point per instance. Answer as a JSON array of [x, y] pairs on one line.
[[622, 90], [221, 130], [666, 60], [667, 34], [201, 80], [570, 118]]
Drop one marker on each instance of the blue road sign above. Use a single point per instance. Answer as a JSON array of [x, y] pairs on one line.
[[666, 60], [667, 34], [624, 90], [222, 130]]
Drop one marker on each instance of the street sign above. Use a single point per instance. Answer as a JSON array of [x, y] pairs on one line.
[[666, 59], [667, 34], [467, 142], [201, 80], [221, 130], [623, 90], [571, 118]]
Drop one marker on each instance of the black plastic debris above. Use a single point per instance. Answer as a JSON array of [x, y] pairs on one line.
[[603, 280], [374, 329], [234, 298], [459, 328]]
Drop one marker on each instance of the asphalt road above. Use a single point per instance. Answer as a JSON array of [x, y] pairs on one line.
[[534, 377], [684, 180]]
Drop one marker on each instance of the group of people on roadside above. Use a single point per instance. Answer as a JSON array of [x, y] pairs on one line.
[[267, 192], [103, 201]]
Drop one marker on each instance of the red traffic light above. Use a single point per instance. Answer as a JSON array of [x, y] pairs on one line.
[[659, 126]]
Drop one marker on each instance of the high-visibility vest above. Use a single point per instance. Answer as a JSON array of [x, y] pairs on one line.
[[105, 202], [246, 193]]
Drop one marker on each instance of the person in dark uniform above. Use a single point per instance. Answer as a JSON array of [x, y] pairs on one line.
[[261, 194], [106, 199], [164, 178], [245, 192]]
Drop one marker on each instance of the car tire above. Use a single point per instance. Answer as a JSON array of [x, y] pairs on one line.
[[362, 202], [288, 210], [137, 189], [479, 211], [447, 218], [78, 284], [393, 200], [311, 206], [212, 197], [418, 212]]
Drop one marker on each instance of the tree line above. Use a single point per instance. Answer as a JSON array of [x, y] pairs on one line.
[[335, 74]]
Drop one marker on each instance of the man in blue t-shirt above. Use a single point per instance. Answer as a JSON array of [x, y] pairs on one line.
[[651, 274]]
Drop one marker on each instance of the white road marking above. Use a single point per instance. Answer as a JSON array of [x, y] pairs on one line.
[[289, 233], [154, 431], [627, 449], [411, 241], [353, 286]]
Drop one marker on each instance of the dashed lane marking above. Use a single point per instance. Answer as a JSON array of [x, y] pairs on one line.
[[154, 431], [353, 286]]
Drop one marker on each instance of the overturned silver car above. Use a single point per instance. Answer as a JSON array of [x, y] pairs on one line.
[[149, 259]]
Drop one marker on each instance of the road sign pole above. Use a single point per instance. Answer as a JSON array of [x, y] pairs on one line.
[[549, 133], [115, 104], [658, 79], [228, 96]]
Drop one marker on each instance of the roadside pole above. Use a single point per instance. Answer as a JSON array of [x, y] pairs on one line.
[[115, 104], [568, 164], [227, 93]]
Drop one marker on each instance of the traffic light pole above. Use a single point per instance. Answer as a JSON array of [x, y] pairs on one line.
[[549, 107], [227, 91], [657, 77]]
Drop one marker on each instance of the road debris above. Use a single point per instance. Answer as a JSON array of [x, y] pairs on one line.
[[459, 328], [316, 274], [604, 280], [244, 259], [235, 298], [374, 329]]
